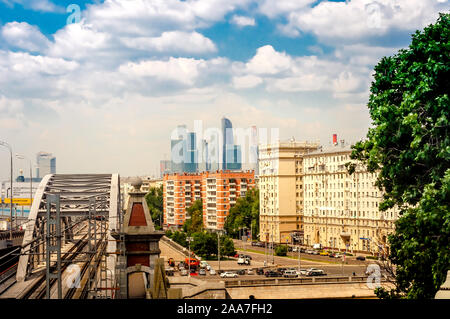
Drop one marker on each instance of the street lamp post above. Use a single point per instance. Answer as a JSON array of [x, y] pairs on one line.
[[189, 239], [218, 248], [11, 181]]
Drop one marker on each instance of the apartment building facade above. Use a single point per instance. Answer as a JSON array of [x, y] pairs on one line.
[[218, 191], [280, 183], [341, 211]]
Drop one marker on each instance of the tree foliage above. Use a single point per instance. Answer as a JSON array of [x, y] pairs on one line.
[[244, 214], [194, 223], [409, 147], [281, 250], [154, 199]]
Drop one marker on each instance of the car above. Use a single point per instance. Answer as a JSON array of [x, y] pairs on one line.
[[184, 272], [331, 255], [290, 274], [316, 272], [250, 272], [281, 270], [303, 272], [169, 271], [315, 252], [202, 272], [260, 271], [203, 264], [236, 256], [360, 258], [248, 257], [289, 248], [212, 272], [324, 253], [228, 274], [241, 272], [208, 267], [272, 273]]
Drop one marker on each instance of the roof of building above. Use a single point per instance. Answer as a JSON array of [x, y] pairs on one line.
[[331, 149]]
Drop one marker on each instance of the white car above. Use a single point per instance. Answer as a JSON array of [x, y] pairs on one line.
[[303, 272], [183, 272], [250, 272], [228, 274], [212, 271]]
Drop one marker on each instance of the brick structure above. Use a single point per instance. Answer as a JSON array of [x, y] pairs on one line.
[[218, 191]]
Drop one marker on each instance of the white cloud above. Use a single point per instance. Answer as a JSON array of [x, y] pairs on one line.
[[37, 5], [268, 61], [246, 82], [356, 21], [182, 70], [24, 36], [173, 41], [243, 21], [273, 8]]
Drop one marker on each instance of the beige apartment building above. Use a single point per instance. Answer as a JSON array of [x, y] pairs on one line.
[[280, 183], [341, 210]]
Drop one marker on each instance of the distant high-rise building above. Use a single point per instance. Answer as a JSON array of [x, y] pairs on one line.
[[165, 167], [191, 155], [46, 164], [231, 154], [204, 163], [178, 149]]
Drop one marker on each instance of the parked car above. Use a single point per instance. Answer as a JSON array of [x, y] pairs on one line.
[[272, 273], [202, 272], [169, 271], [315, 252], [250, 272], [290, 274], [303, 272], [289, 248], [203, 264], [183, 272], [228, 274], [324, 253], [360, 258], [281, 270], [317, 272], [260, 271], [309, 251], [241, 272], [212, 272]]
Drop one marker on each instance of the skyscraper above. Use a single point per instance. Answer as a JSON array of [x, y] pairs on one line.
[[46, 164], [191, 154], [231, 154], [178, 148]]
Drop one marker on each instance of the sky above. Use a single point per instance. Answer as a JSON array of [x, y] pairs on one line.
[[102, 84]]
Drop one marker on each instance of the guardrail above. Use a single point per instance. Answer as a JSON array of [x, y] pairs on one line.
[[295, 281]]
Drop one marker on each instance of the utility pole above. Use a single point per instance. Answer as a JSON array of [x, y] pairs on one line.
[[218, 248], [189, 239]]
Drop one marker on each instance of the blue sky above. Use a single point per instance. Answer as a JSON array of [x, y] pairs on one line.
[[104, 94]]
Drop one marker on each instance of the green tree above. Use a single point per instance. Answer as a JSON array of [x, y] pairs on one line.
[[194, 220], [180, 238], [154, 199], [227, 246], [204, 244], [245, 214], [281, 250], [409, 147]]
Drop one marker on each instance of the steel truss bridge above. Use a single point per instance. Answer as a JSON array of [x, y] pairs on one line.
[[67, 250]]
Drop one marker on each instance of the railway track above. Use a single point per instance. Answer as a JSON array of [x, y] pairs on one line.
[[38, 289]]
